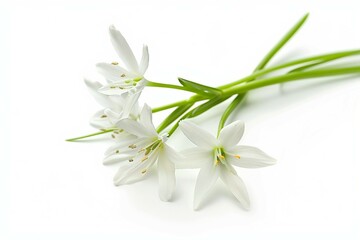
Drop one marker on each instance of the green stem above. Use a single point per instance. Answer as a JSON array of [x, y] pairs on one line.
[[291, 77], [198, 111], [229, 110], [171, 105], [282, 42], [259, 67], [319, 59], [173, 116], [89, 135], [165, 85]]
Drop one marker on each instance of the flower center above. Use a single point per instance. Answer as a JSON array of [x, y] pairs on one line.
[[127, 83], [219, 156]]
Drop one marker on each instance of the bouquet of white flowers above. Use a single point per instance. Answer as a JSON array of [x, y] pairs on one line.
[[139, 145]]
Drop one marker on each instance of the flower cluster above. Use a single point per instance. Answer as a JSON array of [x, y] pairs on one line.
[[140, 147]]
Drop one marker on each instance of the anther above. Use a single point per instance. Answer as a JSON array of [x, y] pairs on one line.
[[114, 63], [143, 171], [237, 156], [132, 146], [117, 151], [147, 151], [112, 135], [144, 158], [131, 160], [103, 116], [123, 75]]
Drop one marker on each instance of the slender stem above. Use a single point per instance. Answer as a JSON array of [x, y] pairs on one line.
[[89, 135], [319, 59], [171, 105], [229, 110], [166, 85], [259, 67], [198, 111], [291, 77], [173, 116], [282, 42]]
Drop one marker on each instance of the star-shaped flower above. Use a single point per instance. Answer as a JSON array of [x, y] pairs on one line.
[[122, 80], [115, 108], [216, 156], [139, 153]]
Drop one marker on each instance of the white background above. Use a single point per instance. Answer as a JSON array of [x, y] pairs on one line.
[[52, 189]]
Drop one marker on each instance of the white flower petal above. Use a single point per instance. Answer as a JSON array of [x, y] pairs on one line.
[[93, 87], [130, 143], [236, 186], [197, 135], [231, 134], [123, 50], [146, 120], [194, 158], [249, 157], [205, 180], [113, 116], [114, 73], [144, 63], [115, 158], [133, 127], [131, 105], [136, 169], [101, 121], [166, 174], [115, 89]]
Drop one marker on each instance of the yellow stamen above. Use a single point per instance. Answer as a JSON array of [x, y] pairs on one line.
[[237, 156], [114, 63], [132, 146]]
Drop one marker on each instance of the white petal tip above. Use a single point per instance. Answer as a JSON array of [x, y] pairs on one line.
[[165, 198], [246, 207], [118, 182]]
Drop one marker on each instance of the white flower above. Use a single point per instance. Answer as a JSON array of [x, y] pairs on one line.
[[121, 80], [140, 153], [216, 156], [116, 107]]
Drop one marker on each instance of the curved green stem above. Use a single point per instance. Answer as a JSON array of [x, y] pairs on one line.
[[167, 106], [291, 77], [229, 110], [259, 67], [314, 60], [282, 42], [89, 135]]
